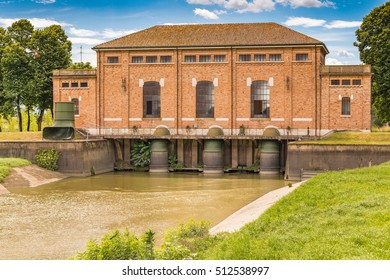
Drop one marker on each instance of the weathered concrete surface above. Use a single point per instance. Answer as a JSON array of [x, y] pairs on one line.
[[332, 157], [77, 157], [252, 211], [31, 176]]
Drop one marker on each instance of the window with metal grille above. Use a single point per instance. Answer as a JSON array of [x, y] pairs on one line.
[[244, 57], [205, 99], [76, 106], [335, 82], [84, 84], [346, 106], [165, 59], [260, 99], [151, 95], [74, 84], [151, 59], [302, 57], [204, 58], [260, 57], [137, 59], [346, 82], [190, 58], [112, 59], [275, 57], [357, 82], [65, 85], [219, 58]]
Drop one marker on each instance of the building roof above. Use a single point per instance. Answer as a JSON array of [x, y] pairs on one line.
[[211, 35]]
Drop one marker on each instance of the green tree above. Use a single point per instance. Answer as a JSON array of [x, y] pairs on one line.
[[52, 50], [373, 41], [81, 66], [17, 78]]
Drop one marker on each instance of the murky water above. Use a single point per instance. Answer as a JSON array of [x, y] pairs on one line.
[[55, 221]]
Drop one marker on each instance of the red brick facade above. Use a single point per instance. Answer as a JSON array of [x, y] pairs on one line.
[[302, 100]]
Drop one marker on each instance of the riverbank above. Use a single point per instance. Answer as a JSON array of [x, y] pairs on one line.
[[252, 211], [29, 176]]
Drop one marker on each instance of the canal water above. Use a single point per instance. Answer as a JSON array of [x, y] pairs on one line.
[[55, 221]]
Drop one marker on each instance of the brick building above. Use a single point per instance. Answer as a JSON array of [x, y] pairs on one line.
[[240, 78]]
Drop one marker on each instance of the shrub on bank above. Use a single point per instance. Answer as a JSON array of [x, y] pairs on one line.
[[48, 158]]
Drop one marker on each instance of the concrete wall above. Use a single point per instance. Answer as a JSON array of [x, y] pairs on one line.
[[333, 157], [77, 157]]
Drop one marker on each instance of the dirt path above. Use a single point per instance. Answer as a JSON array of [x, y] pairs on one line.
[[30, 176]]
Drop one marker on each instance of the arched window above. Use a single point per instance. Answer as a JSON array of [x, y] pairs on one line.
[[260, 99], [151, 100], [205, 99]]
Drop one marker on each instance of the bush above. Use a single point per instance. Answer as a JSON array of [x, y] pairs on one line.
[[48, 159], [188, 241], [140, 154], [115, 245]]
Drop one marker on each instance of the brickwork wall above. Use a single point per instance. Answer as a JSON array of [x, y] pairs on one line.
[[300, 98]]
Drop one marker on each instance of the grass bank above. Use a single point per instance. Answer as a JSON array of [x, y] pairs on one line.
[[7, 163], [353, 138], [21, 136], [336, 215]]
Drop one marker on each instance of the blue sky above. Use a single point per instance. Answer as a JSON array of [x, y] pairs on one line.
[[92, 22]]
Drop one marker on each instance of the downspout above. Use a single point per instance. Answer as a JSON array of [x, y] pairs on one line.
[[231, 91], [315, 92], [177, 91]]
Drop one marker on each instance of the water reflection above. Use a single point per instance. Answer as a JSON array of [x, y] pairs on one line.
[[55, 221]]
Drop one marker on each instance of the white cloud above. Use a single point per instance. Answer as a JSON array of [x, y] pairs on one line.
[[205, 14], [86, 41], [305, 22], [333, 61], [83, 32], [344, 53], [220, 12], [306, 3], [109, 33], [45, 1], [36, 22], [309, 22], [343, 24], [257, 6]]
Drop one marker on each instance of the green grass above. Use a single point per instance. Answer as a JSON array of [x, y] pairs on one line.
[[7, 163], [335, 215], [21, 136], [353, 138]]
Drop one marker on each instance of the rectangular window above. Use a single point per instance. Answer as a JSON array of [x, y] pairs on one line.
[[137, 59], [65, 85], [204, 58], [275, 57], [76, 106], [151, 59], [190, 58], [84, 84], [244, 57], [260, 57], [346, 82], [112, 59], [302, 57], [357, 82], [166, 59], [335, 82], [74, 84], [219, 58], [149, 107], [346, 106]]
